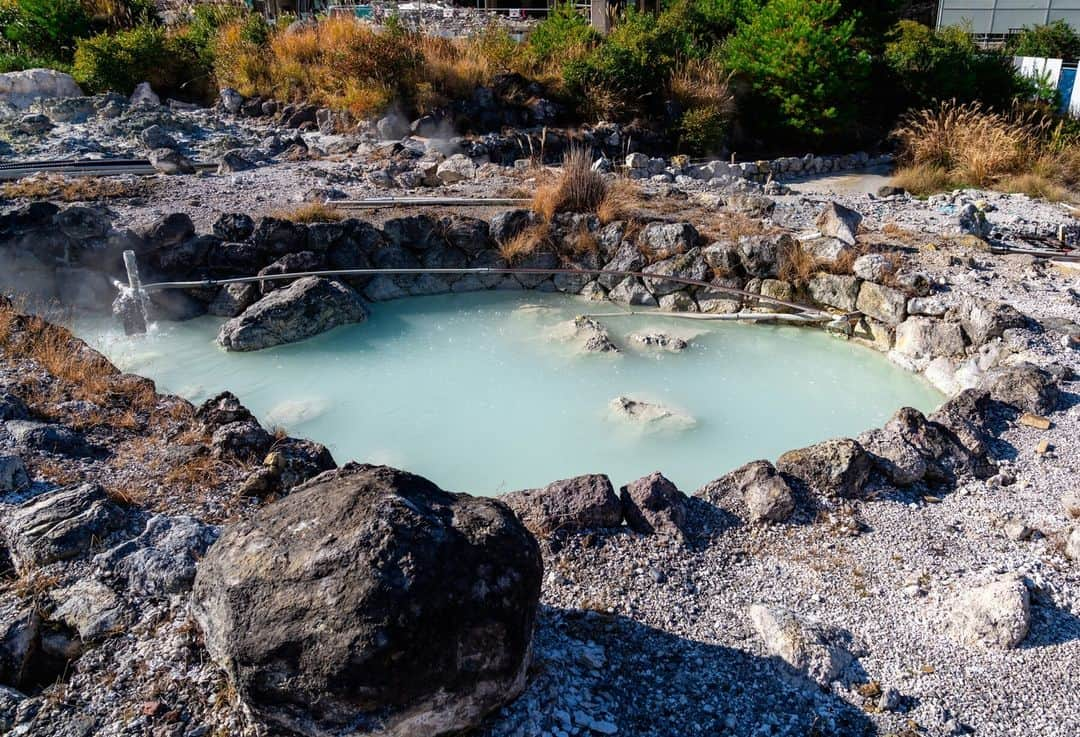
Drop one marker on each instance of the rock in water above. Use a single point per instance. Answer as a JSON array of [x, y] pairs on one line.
[[992, 617], [588, 334], [371, 602], [306, 307], [649, 414]]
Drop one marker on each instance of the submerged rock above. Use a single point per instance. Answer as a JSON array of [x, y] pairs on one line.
[[659, 341], [306, 307], [569, 505], [650, 414], [588, 333], [371, 601]]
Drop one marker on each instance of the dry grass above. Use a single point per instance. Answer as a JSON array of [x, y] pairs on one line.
[[797, 264], [621, 201], [967, 146], [731, 226], [313, 212], [33, 583], [527, 241], [76, 189], [576, 189]]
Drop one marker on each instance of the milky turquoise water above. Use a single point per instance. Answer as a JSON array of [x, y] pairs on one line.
[[475, 392]]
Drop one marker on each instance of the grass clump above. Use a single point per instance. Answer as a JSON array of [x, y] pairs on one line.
[[578, 188], [313, 212], [75, 189], [967, 145]]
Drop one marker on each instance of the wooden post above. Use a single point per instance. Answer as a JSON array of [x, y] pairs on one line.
[[599, 16]]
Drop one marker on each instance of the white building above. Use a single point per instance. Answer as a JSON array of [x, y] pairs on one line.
[[996, 19]]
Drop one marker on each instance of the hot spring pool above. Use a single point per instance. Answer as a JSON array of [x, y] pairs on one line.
[[475, 391]]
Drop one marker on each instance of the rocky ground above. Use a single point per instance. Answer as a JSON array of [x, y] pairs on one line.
[[923, 579]]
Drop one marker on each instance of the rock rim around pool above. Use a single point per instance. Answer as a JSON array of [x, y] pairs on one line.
[[369, 601], [305, 308]]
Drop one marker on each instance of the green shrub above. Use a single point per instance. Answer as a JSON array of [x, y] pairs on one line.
[[935, 65], [143, 54], [46, 28], [12, 61], [1055, 40], [802, 66], [563, 31], [702, 130]]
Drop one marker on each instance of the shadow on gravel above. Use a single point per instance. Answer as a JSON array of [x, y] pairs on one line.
[[650, 683], [1051, 625]]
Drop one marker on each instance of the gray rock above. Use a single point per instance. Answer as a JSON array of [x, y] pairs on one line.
[[910, 448], [34, 124], [433, 594], [392, 127], [234, 226], [689, 265], [457, 168], [22, 88], [882, 303], [632, 292], [61, 525], [234, 161], [233, 299], [872, 267], [995, 616], [591, 335], [627, 258], [760, 254], [984, 320], [926, 337], [569, 505], [90, 608], [161, 560], [816, 650], [169, 161], [664, 240], [1025, 386], [834, 468], [658, 341], [13, 475], [972, 221], [230, 100], [306, 307], [649, 415], [767, 496], [834, 290], [19, 635], [144, 95], [155, 137], [47, 437], [652, 504], [245, 440], [837, 221]]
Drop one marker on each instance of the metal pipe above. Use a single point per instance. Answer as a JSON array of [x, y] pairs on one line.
[[493, 271], [379, 202]]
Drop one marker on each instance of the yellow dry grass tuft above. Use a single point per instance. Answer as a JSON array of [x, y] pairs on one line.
[[527, 241], [797, 264], [968, 146], [77, 189], [314, 212], [577, 188]]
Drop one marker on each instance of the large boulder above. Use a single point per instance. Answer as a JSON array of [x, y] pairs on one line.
[[925, 337], [984, 320], [61, 525], [663, 240], [371, 601], [1025, 386], [995, 616], [816, 650], [306, 307], [23, 88], [652, 504], [767, 496], [910, 448], [689, 265], [882, 303], [834, 290], [569, 505], [834, 468], [837, 221]]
